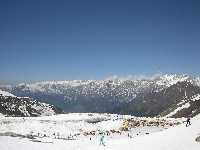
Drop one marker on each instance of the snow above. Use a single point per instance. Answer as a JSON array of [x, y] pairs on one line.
[[49, 86], [175, 138], [171, 79], [186, 105], [23, 110], [195, 97], [42, 108], [65, 124], [4, 93], [139, 83]]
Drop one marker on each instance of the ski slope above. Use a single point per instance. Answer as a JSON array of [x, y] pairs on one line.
[[175, 138]]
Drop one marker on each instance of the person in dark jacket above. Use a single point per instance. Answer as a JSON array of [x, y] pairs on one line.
[[188, 123]]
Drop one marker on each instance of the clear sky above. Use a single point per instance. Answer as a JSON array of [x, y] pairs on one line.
[[92, 39]]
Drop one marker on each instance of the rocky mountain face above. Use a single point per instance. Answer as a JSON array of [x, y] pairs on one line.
[[11, 105], [153, 96], [179, 100]]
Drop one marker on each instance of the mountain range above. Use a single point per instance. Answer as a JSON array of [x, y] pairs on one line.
[[162, 95]]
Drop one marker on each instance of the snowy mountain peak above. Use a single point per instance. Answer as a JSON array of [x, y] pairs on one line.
[[128, 87], [110, 94], [171, 79]]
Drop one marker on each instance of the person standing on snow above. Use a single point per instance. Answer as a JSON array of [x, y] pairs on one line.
[[102, 140], [188, 122]]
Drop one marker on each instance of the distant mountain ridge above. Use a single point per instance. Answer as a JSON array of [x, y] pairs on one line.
[[112, 95]]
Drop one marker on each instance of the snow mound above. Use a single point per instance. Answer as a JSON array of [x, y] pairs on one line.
[[4, 93]]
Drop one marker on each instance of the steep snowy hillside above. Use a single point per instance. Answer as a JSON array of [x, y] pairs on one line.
[[11, 105], [189, 106], [178, 100]]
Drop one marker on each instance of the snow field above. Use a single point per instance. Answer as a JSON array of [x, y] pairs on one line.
[[142, 138]]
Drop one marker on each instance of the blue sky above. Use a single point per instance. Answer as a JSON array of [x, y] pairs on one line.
[[92, 39]]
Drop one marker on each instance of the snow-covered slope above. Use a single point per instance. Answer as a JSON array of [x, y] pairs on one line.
[[178, 100], [12, 105], [175, 138], [77, 125], [191, 105], [179, 137], [5, 93]]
